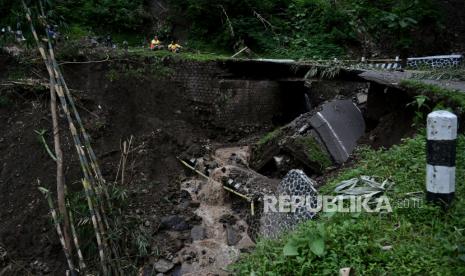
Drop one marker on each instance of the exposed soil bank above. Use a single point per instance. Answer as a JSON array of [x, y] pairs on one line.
[[172, 108]]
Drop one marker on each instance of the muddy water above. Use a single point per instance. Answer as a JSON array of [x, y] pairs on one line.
[[224, 233]]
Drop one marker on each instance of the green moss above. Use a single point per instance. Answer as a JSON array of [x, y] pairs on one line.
[[269, 136], [314, 152]]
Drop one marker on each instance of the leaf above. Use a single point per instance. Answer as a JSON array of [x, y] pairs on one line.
[[317, 246], [290, 249], [321, 229], [403, 24], [462, 257]]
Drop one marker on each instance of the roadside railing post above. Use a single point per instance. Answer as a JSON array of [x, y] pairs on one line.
[[441, 154]]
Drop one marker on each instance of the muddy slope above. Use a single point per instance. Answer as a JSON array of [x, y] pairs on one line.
[[116, 101]]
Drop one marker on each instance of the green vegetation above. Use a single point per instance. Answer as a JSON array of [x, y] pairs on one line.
[[423, 241], [455, 73], [273, 28], [269, 137], [314, 151], [442, 96], [308, 28], [135, 240], [195, 56]]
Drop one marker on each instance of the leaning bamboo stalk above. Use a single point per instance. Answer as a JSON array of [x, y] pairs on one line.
[[101, 219], [58, 152], [82, 264], [58, 88], [59, 163], [46, 193], [101, 250], [54, 71]]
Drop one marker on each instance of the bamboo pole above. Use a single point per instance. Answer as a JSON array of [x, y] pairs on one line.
[[58, 152], [46, 193], [90, 204], [59, 164], [82, 264], [53, 72]]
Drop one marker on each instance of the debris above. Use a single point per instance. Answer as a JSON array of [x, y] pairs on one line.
[[163, 266], [197, 233], [314, 139], [365, 186], [296, 143], [340, 124], [231, 235], [174, 222], [296, 183], [386, 247], [245, 181], [233, 156]]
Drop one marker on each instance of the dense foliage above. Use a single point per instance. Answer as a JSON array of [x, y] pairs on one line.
[[98, 15], [285, 28], [306, 28]]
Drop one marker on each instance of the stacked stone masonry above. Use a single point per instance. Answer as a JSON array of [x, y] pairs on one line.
[[221, 99]]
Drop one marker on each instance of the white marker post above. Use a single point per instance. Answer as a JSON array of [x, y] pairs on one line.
[[441, 150]]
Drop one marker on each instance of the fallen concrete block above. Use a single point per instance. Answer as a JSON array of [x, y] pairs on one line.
[[295, 183], [297, 143], [340, 124]]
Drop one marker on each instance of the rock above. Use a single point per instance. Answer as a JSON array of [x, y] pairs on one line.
[[174, 222], [197, 233], [228, 218], [231, 235], [163, 266]]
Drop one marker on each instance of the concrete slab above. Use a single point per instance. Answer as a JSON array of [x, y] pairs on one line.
[[295, 184], [340, 124]]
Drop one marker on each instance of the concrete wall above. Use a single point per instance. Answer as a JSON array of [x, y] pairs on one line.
[[224, 100]]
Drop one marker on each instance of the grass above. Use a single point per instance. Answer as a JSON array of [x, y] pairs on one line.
[[443, 96], [269, 136], [424, 240], [185, 55], [454, 73]]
